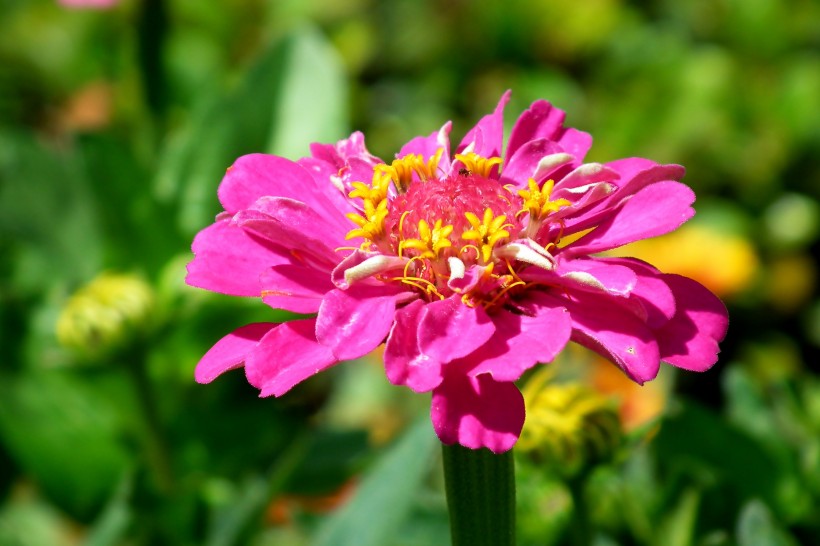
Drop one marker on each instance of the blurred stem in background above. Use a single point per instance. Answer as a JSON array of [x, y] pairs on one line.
[[153, 29], [157, 452]]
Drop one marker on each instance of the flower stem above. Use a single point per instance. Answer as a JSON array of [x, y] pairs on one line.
[[580, 528], [157, 451], [153, 27], [480, 489]]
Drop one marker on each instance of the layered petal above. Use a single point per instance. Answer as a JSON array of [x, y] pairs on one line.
[[486, 138], [536, 159], [607, 328], [229, 352], [294, 288], [655, 210], [229, 260], [353, 322], [522, 340], [404, 362], [294, 225], [540, 120], [595, 275], [286, 356], [477, 412], [690, 339], [428, 146], [259, 175], [634, 174], [449, 329], [652, 299]]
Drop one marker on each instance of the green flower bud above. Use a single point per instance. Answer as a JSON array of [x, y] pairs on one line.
[[106, 315], [569, 426]]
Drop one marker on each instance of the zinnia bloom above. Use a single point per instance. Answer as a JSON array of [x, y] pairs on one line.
[[471, 265]]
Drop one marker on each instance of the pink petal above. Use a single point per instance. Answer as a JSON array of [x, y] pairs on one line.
[[615, 333], [541, 120], [230, 351], [654, 301], [259, 175], [286, 356], [340, 164], [359, 266], [488, 133], [575, 142], [690, 339], [429, 145], [595, 275], [302, 217], [477, 412], [229, 261], [294, 288], [523, 164], [523, 340], [634, 174], [468, 280], [581, 177], [637, 173], [355, 321], [404, 362], [295, 226], [655, 210], [449, 329]]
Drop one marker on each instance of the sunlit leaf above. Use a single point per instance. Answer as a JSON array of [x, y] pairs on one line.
[[294, 94], [385, 494], [757, 527]]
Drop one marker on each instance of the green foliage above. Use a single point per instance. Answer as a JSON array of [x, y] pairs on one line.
[[115, 130]]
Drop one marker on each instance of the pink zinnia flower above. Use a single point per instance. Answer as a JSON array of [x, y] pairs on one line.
[[471, 266]]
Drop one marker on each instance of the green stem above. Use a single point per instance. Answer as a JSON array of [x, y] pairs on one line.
[[152, 29], [480, 489], [580, 527], [156, 448]]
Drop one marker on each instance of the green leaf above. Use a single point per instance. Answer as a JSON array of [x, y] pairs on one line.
[[701, 446], [756, 527], [113, 521], [385, 495], [46, 413], [245, 509], [678, 525], [47, 210], [312, 102], [293, 95]]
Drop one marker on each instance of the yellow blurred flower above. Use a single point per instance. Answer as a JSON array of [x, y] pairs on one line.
[[725, 264], [569, 426], [637, 404]]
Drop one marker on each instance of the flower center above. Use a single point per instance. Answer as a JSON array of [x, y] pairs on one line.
[[443, 226], [467, 210]]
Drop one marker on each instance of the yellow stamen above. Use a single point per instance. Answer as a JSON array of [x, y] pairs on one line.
[[371, 223], [478, 165], [430, 242], [401, 170], [487, 232], [537, 200]]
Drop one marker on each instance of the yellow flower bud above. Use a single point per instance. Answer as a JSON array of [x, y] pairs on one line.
[[106, 314], [569, 426]]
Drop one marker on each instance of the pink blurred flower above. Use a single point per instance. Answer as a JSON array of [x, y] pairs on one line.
[[471, 268], [97, 4]]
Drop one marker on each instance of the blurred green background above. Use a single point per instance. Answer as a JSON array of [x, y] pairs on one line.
[[115, 129]]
